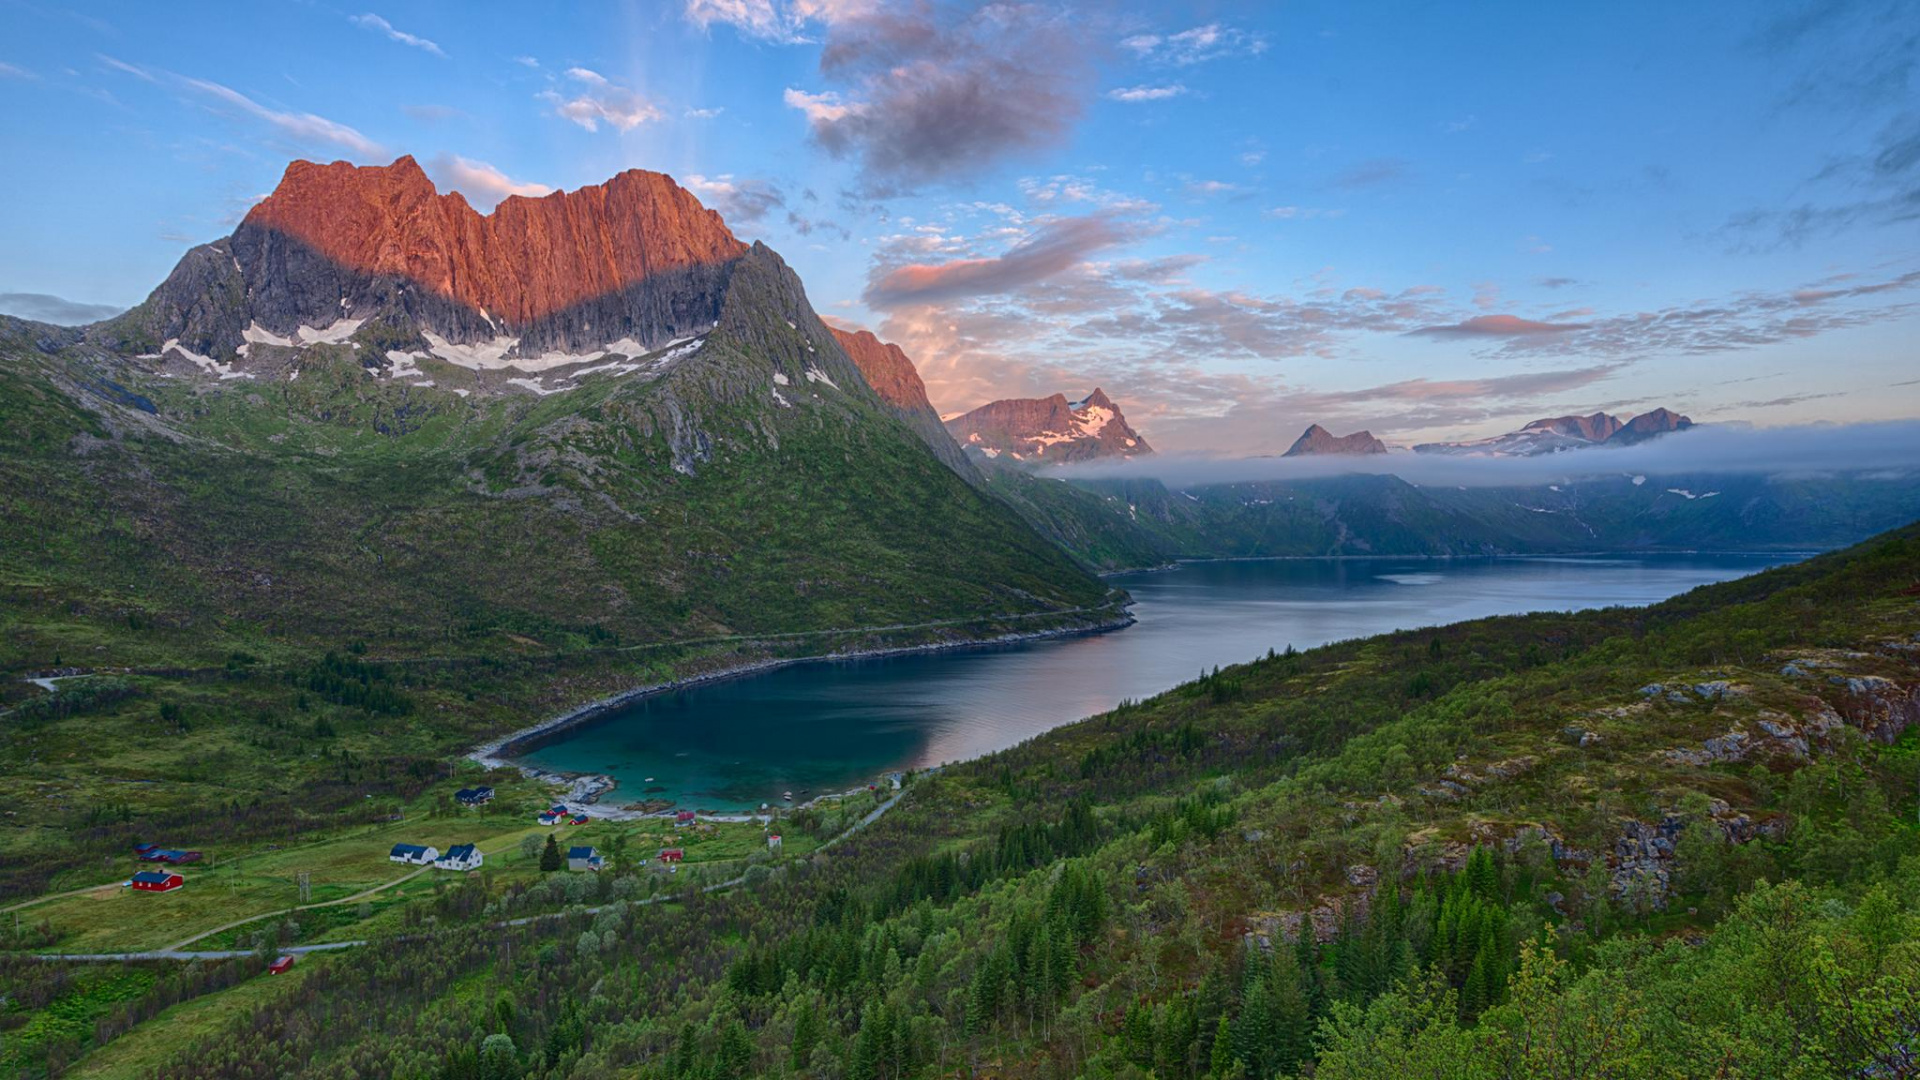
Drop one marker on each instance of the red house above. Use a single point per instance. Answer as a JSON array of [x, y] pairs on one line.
[[280, 966], [156, 881], [672, 854], [684, 817]]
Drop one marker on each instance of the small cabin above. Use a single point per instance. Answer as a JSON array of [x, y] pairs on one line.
[[773, 841], [579, 819], [550, 818], [281, 966], [144, 849], [157, 881], [585, 858], [672, 855], [414, 854], [479, 796], [460, 857], [684, 817]]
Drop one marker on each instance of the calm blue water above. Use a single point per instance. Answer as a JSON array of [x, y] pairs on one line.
[[822, 727]]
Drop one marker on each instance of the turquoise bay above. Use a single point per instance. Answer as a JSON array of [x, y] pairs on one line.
[[825, 726]]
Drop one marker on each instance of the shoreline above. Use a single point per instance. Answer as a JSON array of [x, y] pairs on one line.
[[587, 789], [1800, 554]]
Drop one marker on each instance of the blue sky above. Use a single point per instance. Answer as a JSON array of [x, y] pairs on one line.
[[1431, 220]]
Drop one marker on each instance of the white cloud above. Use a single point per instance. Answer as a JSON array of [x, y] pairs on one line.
[[526, 61], [382, 26], [821, 108], [1135, 94], [9, 71], [482, 184], [1195, 46], [306, 127], [783, 22], [122, 66], [602, 101], [704, 114]]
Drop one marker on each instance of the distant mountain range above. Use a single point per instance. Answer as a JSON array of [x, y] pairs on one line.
[[1562, 433], [1049, 430]]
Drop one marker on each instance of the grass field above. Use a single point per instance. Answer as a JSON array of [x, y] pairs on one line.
[[351, 875]]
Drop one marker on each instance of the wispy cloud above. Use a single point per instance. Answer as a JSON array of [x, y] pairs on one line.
[[781, 22], [1047, 251], [125, 68], [14, 71], [382, 26], [43, 307], [1497, 326], [749, 201], [1372, 173], [1133, 95], [306, 127], [1200, 44]]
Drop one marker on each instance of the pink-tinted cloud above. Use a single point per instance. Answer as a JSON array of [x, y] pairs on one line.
[[1056, 247], [1498, 326]]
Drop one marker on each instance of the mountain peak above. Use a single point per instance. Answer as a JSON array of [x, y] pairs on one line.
[[1049, 429], [1318, 440], [634, 260], [1595, 428], [1650, 425]]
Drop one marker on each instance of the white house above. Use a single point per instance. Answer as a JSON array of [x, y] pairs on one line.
[[585, 858], [460, 857], [414, 854]]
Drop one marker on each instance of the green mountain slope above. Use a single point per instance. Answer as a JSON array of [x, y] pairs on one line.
[[173, 519], [1666, 842]]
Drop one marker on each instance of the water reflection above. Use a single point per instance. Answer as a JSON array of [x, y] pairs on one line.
[[826, 726]]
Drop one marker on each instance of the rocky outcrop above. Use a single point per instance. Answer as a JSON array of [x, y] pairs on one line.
[[1598, 427], [1649, 425], [528, 259], [1318, 440], [339, 247], [1051, 429], [892, 375]]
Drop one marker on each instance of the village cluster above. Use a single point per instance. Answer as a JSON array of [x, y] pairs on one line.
[[459, 857]]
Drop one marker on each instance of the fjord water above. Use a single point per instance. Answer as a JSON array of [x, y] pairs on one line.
[[821, 727]]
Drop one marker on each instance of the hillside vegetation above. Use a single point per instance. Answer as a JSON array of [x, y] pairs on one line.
[[1667, 842]]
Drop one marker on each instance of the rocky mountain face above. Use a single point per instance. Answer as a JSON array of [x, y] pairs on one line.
[[1318, 440], [891, 373], [335, 422], [1598, 427], [1561, 433], [1650, 425], [1049, 430], [619, 268]]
